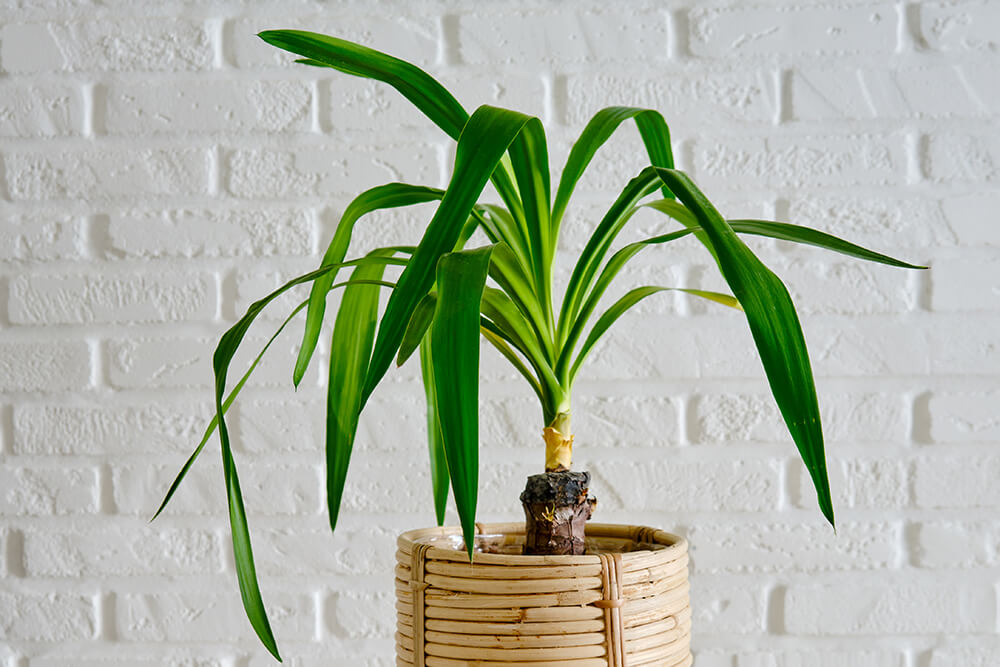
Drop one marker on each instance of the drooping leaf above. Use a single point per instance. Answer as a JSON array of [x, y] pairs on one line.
[[461, 277], [413, 83], [225, 408], [390, 195], [350, 351], [807, 236], [228, 344], [485, 138], [435, 441], [775, 327], [652, 128]]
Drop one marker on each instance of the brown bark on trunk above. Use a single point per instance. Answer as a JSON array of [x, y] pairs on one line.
[[556, 507]]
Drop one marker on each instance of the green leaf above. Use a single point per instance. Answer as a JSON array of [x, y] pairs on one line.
[[485, 138], [775, 328], [350, 351], [417, 327], [228, 344], [807, 236], [435, 442], [530, 162], [461, 277], [390, 195], [652, 128], [225, 407], [412, 82]]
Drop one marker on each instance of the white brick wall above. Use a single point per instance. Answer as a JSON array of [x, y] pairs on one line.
[[160, 167]]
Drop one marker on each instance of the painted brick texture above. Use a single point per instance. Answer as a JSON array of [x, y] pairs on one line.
[[161, 168]]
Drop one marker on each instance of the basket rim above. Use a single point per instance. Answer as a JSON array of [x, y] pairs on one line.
[[674, 546]]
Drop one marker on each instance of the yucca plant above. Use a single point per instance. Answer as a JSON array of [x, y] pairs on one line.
[[447, 295]]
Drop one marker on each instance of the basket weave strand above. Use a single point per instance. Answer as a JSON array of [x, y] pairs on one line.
[[622, 604]]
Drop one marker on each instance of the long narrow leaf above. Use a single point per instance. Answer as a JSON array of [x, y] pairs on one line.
[[416, 85], [807, 236], [775, 328], [461, 277], [228, 344], [435, 441], [652, 128], [412, 82], [485, 138], [390, 195], [350, 351], [225, 407]]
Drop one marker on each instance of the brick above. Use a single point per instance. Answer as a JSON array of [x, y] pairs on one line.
[[964, 215], [727, 605], [185, 363], [293, 551], [199, 106], [41, 110], [858, 483], [360, 614], [288, 425], [964, 655], [161, 296], [740, 486], [862, 348], [957, 544], [847, 288], [48, 491], [960, 27], [964, 346], [822, 658], [724, 418], [107, 174], [150, 428], [384, 484], [211, 233], [800, 547], [123, 45], [186, 617], [129, 552], [789, 30], [951, 281], [52, 617], [320, 171], [414, 37], [539, 37], [964, 417], [951, 157], [686, 101], [31, 237], [875, 222], [895, 605], [167, 657], [138, 489], [62, 366], [825, 94], [960, 482], [789, 161]]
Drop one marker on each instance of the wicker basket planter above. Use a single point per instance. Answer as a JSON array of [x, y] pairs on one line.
[[623, 604]]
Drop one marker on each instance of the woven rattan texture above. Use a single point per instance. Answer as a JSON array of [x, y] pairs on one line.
[[623, 605]]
